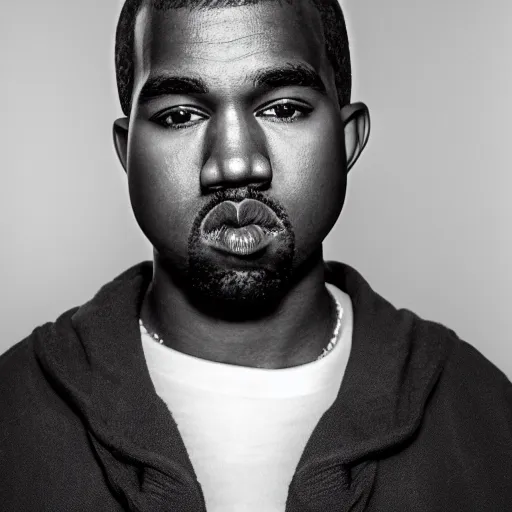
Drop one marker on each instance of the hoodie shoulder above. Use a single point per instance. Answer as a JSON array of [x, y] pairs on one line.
[[24, 387], [16, 368], [43, 443], [478, 383], [465, 355]]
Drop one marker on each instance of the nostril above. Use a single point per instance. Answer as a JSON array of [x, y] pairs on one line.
[[212, 188]]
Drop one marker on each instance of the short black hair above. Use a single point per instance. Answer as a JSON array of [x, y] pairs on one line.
[[333, 21]]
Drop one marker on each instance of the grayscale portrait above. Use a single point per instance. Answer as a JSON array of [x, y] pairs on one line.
[[256, 256]]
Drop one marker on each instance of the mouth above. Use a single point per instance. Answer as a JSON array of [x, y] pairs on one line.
[[240, 229]]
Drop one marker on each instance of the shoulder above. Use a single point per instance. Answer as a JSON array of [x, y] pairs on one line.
[[466, 374], [16, 371], [27, 393], [43, 444], [468, 369], [22, 416], [477, 387], [469, 411]]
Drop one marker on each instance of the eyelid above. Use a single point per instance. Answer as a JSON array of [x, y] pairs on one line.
[[167, 111], [283, 101]]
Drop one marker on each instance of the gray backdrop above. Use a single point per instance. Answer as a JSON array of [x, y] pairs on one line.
[[427, 219]]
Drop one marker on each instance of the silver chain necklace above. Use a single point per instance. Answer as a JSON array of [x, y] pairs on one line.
[[325, 351]]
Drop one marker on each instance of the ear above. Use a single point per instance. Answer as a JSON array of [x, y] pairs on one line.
[[120, 133], [356, 119]]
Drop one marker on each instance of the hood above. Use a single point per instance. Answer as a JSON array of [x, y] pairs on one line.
[[93, 357]]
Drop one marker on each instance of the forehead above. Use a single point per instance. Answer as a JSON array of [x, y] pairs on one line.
[[225, 41]]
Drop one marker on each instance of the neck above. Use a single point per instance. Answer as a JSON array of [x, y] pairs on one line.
[[294, 333]]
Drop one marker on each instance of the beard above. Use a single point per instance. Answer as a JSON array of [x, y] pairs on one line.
[[259, 286]]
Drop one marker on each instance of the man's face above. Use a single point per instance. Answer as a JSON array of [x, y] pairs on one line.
[[236, 158]]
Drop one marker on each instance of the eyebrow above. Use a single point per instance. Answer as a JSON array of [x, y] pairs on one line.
[[289, 75], [162, 85], [270, 78]]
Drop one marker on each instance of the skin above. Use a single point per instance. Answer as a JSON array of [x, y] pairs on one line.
[[230, 138]]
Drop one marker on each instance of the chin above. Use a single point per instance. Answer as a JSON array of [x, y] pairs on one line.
[[246, 286], [239, 292]]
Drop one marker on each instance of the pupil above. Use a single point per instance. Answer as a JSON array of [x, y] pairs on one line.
[[180, 116], [285, 110]]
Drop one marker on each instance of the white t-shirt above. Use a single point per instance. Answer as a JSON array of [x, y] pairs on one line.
[[245, 428]]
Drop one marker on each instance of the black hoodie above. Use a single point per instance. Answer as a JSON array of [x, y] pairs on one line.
[[422, 422]]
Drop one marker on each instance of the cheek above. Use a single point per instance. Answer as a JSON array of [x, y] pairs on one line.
[[314, 177], [163, 184]]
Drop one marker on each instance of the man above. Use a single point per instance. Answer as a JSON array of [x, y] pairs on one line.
[[238, 371]]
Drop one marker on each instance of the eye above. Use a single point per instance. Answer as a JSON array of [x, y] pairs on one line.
[[179, 117], [285, 112]]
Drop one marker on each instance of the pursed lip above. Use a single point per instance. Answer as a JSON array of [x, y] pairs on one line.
[[238, 215], [242, 228]]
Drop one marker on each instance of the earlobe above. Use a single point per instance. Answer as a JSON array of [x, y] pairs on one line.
[[356, 119], [120, 134]]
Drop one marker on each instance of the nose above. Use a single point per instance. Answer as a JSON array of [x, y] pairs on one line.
[[236, 154]]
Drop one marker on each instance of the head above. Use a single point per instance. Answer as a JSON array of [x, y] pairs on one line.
[[237, 137]]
